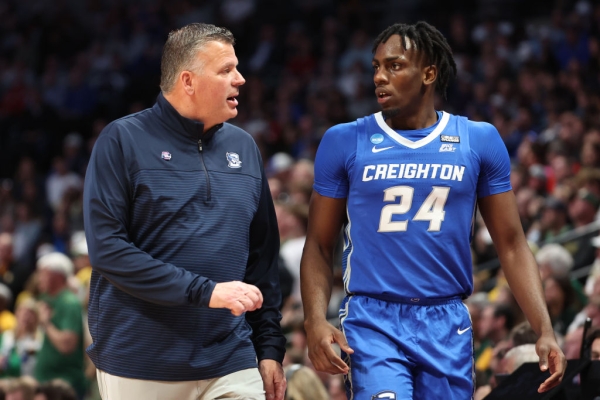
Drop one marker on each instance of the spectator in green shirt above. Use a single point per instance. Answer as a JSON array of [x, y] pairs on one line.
[[19, 346], [60, 313]]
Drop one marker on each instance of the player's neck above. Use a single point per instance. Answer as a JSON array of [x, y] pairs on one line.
[[422, 119]]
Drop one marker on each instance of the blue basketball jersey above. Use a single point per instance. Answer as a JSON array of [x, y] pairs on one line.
[[411, 198]]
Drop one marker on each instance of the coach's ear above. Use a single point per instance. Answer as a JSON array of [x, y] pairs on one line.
[[187, 81]]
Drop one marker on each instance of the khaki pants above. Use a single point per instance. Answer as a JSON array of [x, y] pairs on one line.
[[246, 384]]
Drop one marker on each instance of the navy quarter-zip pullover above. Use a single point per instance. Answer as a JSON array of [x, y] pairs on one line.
[[170, 212]]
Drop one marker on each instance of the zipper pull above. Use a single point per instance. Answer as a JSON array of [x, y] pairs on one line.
[[200, 145]]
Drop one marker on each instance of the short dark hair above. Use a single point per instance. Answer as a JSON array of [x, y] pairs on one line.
[[431, 42], [179, 52], [57, 389], [503, 310], [523, 333]]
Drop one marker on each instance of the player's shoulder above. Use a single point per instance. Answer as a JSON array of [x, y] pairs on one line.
[[339, 139], [343, 129], [481, 128]]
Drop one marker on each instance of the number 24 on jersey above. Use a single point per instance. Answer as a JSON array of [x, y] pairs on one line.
[[431, 210]]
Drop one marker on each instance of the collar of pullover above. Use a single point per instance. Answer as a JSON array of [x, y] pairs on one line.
[[186, 126]]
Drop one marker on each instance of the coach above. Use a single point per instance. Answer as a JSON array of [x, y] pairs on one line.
[[183, 240]]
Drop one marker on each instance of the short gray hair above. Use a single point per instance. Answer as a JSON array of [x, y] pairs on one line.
[[57, 262], [558, 259], [522, 354], [179, 52]]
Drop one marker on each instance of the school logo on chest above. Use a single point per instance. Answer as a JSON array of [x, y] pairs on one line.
[[447, 147], [233, 160]]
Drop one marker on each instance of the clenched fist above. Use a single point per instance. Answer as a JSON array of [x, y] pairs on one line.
[[238, 297]]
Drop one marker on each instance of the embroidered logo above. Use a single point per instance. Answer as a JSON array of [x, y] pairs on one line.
[[233, 160], [447, 147], [461, 331], [165, 155], [452, 139]]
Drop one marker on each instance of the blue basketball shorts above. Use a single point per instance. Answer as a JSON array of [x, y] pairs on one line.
[[408, 350]]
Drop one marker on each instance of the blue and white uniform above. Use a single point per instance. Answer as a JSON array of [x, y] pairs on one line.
[[411, 198]]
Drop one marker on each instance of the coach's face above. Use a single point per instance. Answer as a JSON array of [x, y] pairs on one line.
[[216, 84]]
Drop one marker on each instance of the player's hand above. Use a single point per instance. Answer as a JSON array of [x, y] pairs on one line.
[[239, 297], [551, 359], [320, 337], [273, 379]]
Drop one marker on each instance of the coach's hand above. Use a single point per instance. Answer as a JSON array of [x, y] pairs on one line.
[[273, 379], [320, 336], [238, 297], [552, 359]]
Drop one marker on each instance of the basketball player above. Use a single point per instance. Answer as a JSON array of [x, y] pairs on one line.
[[405, 183]]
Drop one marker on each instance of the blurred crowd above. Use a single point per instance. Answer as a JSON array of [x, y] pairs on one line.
[[69, 67]]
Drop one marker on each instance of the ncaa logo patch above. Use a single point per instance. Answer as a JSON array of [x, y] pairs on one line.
[[165, 155], [233, 160], [377, 138], [447, 147], [384, 395]]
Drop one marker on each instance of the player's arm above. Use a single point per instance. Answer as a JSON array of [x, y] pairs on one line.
[[326, 217], [500, 214]]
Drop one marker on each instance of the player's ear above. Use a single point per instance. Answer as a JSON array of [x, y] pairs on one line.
[[429, 74]]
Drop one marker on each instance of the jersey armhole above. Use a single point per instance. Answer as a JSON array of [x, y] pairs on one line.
[[361, 129]]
